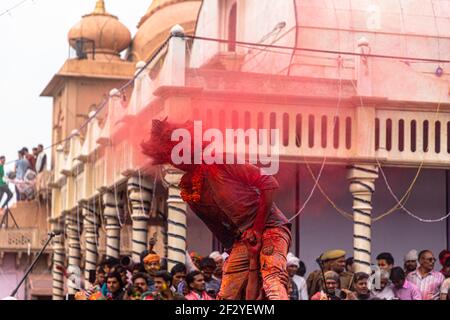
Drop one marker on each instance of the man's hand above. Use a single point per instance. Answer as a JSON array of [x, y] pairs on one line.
[[252, 240]]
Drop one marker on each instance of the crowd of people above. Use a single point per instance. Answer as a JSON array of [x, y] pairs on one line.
[[200, 278], [26, 169]]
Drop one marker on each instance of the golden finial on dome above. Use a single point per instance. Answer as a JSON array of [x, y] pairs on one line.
[[100, 7]]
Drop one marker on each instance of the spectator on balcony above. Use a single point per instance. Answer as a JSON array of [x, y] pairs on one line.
[[30, 158], [35, 152], [3, 185], [20, 169], [26, 187], [41, 160]]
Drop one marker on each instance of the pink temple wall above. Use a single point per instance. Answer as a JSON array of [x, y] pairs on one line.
[[10, 277]]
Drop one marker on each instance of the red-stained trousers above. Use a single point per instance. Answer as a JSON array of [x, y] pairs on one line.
[[275, 246]]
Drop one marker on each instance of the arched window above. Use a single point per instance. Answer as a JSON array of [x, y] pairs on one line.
[[232, 28]]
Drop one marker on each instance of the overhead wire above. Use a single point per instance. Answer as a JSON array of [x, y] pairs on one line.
[[337, 52], [19, 4]]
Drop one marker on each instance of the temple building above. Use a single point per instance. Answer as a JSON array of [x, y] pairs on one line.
[[359, 91]]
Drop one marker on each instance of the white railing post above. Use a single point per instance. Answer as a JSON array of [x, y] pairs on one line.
[[174, 69]]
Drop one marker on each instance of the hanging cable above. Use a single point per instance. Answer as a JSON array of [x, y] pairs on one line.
[[116, 200], [343, 53], [8, 11], [335, 119], [77, 168], [399, 202]]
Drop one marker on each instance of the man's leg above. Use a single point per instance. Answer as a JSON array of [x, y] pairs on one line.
[[2, 191], [9, 196], [235, 273], [17, 194], [275, 246]]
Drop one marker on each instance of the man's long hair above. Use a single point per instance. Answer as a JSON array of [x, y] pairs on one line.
[[159, 146]]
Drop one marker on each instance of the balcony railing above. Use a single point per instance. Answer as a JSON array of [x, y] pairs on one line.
[[24, 239]]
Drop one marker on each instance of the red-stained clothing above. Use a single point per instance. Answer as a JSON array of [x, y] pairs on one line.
[[32, 160], [230, 198], [275, 245], [195, 296]]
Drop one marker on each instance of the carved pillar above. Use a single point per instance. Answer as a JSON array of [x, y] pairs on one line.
[[176, 220], [91, 225], [58, 260], [140, 192], [73, 225], [112, 212], [362, 186]]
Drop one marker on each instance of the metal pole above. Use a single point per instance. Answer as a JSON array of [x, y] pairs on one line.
[[297, 208], [50, 237], [447, 204]]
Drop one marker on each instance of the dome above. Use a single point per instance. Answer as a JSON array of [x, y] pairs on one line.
[[157, 5], [155, 25], [108, 34]]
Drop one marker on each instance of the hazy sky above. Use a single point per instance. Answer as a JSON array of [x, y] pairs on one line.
[[33, 48]]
